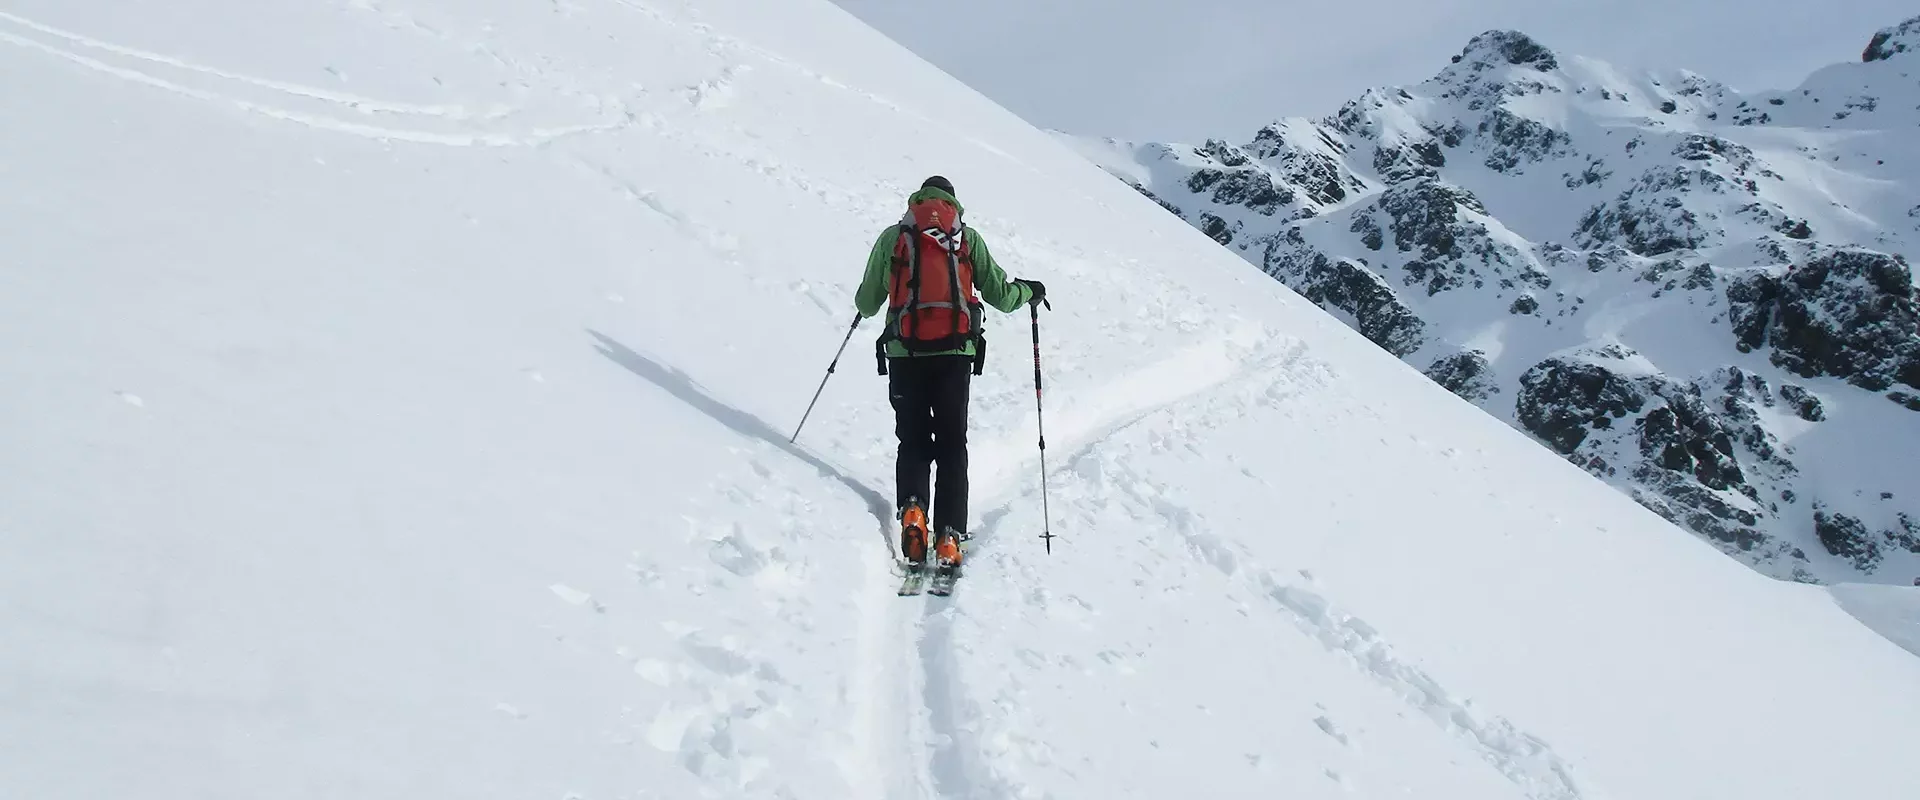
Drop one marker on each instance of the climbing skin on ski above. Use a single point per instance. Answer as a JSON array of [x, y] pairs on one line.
[[915, 582]]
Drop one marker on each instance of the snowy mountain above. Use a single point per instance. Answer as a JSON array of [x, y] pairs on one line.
[[1701, 296], [398, 407]]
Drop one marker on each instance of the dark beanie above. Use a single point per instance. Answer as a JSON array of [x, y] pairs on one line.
[[937, 182]]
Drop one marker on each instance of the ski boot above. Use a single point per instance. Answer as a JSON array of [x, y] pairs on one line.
[[913, 537], [949, 550]]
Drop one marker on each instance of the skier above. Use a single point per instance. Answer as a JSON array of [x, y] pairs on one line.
[[925, 271]]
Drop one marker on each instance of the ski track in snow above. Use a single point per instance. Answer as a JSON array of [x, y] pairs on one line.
[[907, 687], [957, 767], [1523, 758], [1204, 379], [23, 35]]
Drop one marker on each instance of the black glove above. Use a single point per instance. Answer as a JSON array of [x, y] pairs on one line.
[[1038, 289]]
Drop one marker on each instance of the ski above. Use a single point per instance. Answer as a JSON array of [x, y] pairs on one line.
[[914, 583]]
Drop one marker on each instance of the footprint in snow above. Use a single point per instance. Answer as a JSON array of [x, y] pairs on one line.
[[1335, 776], [1327, 727], [733, 553]]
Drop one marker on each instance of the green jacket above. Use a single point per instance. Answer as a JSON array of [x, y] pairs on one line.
[[988, 279]]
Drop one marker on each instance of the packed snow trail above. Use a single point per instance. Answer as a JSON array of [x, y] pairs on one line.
[[367, 460], [956, 768]]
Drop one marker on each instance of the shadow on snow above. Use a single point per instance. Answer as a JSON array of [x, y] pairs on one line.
[[686, 390]]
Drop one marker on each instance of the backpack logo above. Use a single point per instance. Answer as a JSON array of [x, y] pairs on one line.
[[945, 239]]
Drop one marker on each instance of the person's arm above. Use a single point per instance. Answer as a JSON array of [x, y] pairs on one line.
[[872, 294], [991, 281]]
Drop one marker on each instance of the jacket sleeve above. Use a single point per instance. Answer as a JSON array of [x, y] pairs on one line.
[[872, 294], [991, 281]]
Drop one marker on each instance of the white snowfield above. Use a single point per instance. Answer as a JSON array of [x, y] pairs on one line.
[[396, 405]]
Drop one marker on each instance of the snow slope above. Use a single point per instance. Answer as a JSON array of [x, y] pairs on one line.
[[399, 403], [1700, 296]]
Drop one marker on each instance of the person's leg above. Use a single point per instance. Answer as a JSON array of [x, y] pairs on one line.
[[950, 382], [908, 390]]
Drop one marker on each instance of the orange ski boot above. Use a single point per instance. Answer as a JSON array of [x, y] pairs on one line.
[[947, 550], [913, 536]]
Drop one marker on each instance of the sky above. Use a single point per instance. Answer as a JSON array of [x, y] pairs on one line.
[[1187, 70]]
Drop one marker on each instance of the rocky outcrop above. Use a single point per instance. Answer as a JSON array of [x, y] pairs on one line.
[[1512, 47], [1846, 537], [1890, 42], [1562, 399], [1467, 374], [1375, 310], [1804, 404], [1695, 453], [1848, 313]]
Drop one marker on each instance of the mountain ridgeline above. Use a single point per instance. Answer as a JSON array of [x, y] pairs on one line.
[[1700, 295]]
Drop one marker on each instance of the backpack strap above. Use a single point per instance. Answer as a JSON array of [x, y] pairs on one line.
[[911, 262], [913, 272]]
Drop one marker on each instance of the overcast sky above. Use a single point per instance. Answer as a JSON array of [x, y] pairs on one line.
[[1185, 70]]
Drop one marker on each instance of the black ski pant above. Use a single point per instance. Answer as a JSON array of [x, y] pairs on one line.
[[929, 396]]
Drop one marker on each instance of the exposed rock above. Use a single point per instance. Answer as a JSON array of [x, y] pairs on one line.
[[1511, 47], [1849, 313], [1516, 140], [1157, 199], [1377, 312], [1893, 41], [1318, 176], [1846, 537], [1684, 436], [1369, 230], [1563, 398], [1249, 187], [1695, 456], [1215, 227], [1400, 164], [1700, 510], [1803, 402], [1906, 533], [1226, 154], [1467, 374], [1425, 215]]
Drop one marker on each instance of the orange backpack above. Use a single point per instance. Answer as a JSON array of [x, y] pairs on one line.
[[931, 305]]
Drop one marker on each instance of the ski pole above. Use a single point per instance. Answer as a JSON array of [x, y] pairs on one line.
[[823, 380], [1040, 415]]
